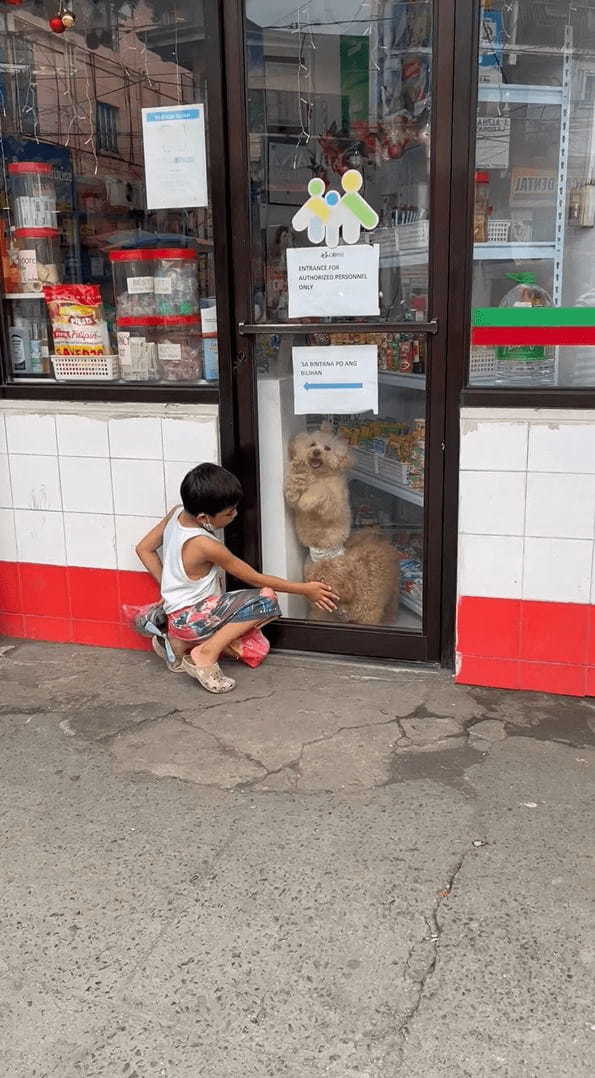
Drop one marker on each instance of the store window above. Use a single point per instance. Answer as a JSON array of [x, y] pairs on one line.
[[106, 235], [534, 222]]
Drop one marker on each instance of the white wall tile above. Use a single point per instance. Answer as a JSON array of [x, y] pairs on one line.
[[31, 434], [129, 530], [138, 439], [560, 506], [175, 470], [138, 487], [493, 446], [557, 570], [90, 540], [562, 447], [3, 445], [5, 489], [490, 566], [40, 537], [195, 440], [492, 503], [86, 485], [8, 543], [35, 482], [81, 436]]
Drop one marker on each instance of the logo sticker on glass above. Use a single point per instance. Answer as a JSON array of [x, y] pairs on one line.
[[332, 217]]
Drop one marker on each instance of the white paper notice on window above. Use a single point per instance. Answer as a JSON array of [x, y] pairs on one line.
[[337, 282], [175, 157], [332, 379]]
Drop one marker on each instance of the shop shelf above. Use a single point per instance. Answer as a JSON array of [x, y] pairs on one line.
[[408, 381], [513, 252], [520, 95], [412, 602], [24, 295], [399, 490], [418, 256]]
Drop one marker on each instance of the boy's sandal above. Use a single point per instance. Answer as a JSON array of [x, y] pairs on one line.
[[210, 677], [158, 648]]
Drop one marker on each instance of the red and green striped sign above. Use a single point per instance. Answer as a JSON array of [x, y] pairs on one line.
[[506, 326]]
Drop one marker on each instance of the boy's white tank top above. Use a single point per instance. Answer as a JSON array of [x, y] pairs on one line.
[[177, 589]]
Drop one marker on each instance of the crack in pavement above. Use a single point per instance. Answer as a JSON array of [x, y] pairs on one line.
[[291, 764], [227, 748], [236, 700], [434, 929]]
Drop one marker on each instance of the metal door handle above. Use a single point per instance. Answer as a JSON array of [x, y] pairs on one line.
[[247, 329]]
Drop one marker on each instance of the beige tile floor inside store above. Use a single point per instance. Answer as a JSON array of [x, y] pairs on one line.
[[339, 870]]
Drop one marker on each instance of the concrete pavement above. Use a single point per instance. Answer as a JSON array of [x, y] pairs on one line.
[[338, 870]]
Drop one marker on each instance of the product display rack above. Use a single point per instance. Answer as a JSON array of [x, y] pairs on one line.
[[389, 486], [513, 252], [553, 250], [483, 361], [506, 94], [406, 381]]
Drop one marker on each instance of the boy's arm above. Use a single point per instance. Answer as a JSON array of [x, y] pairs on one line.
[[208, 550], [148, 546]]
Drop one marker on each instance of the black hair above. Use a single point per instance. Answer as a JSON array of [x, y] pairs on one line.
[[209, 489]]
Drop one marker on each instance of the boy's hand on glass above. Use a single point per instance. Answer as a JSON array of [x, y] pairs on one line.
[[321, 595]]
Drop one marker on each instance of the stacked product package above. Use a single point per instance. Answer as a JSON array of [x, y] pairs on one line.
[[391, 448]]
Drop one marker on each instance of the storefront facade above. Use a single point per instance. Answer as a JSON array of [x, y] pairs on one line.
[[369, 290]]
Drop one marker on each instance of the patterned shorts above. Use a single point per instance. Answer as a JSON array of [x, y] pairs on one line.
[[201, 620]]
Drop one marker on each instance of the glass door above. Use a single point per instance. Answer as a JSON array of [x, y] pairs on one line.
[[340, 366]]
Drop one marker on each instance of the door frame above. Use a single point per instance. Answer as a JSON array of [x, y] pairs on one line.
[[450, 218]]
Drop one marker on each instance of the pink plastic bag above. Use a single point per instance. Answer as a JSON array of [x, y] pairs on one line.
[[253, 648]]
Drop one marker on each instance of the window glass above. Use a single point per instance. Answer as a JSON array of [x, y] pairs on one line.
[[334, 86], [106, 236], [534, 236], [339, 90]]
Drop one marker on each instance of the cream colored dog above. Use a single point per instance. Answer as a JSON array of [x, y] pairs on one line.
[[361, 568]]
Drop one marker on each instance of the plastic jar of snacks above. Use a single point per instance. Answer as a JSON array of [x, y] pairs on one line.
[[176, 281], [37, 258], [179, 353], [137, 353], [32, 194], [133, 283]]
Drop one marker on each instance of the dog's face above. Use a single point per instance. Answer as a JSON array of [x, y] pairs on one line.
[[321, 452]]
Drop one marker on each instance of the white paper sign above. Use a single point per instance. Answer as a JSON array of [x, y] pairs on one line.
[[339, 380], [493, 142], [342, 281], [175, 157]]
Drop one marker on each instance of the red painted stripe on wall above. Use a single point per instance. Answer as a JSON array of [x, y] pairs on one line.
[[517, 644], [533, 335], [72, 605], [503, 643]]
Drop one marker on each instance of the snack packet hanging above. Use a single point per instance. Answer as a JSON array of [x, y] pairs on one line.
[[76, 315]]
